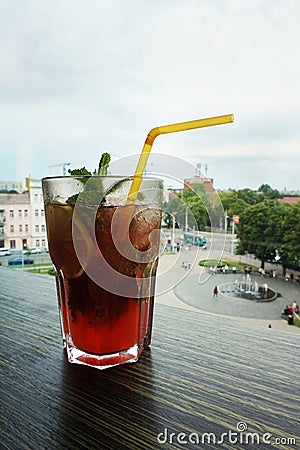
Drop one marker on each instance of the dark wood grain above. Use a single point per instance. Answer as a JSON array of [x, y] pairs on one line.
[[202, 375]]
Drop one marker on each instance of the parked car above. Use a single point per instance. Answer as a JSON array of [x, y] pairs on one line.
[[4, 252], [17, 261], [32, 251]]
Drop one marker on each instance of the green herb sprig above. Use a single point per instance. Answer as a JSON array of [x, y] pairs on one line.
[[94, 189]]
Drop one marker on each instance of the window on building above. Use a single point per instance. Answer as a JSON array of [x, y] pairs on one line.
[[42, 228], [37, 228], [43, 242], [20, 213], [20, 228], [37, 243], [12, 243], [12, 229], [1, 229], [11, 213], [42, 212], [36, 213], [26, 227], [36, 198], [25, 212]]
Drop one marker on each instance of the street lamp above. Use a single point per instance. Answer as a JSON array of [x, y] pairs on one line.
[[225, 223], [23, 247], [22, 252], [235, 221], [173, 234], [186, 219]]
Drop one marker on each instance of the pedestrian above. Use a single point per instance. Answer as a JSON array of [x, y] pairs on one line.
[[216, 291]]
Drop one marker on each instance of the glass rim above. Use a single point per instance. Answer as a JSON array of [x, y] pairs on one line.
[[124, 177]]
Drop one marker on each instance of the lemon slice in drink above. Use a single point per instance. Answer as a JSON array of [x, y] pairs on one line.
[[61, 246]]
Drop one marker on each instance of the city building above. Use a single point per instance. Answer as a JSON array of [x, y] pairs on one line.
[[14, 221], [38, 236], [207, 183], [22, 218], [289, 199]]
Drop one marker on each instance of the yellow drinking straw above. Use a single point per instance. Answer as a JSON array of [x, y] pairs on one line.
[[183, 126]]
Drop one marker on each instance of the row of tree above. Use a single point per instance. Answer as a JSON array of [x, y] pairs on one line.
[[206, 210], [266, 229], [236, 201]]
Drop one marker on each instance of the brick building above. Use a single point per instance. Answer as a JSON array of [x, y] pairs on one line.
[[289, 199], [207, 183]]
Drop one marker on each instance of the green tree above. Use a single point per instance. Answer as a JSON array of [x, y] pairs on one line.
[[176, 208], [249, 196], [269, 192], [235, 202], [260, 230], [191, 203], [197, 200], [290, 248]]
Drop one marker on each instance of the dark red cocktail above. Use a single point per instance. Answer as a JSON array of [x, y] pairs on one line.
[[105, 291]]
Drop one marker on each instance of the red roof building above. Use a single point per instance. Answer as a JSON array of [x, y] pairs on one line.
[[289, 199]]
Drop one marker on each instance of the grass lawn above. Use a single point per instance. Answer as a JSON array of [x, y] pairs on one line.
[[296, 322], [223, 262], [46, 269]]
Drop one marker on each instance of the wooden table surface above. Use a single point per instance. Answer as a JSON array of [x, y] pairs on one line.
[[203, 377]]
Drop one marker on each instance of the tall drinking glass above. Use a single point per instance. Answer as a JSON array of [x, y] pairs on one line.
[[105, 253]]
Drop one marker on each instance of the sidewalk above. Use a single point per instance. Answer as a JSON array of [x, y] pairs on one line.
[[187, 294]]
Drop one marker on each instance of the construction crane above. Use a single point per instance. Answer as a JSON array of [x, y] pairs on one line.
[[63, 165]]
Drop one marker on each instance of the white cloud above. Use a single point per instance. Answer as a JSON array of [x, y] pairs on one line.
[[78, 77]]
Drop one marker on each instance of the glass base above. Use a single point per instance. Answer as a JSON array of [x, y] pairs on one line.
[[105, 361]]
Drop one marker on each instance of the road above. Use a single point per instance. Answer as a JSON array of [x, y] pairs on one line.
[[38, 259], [219, 245]]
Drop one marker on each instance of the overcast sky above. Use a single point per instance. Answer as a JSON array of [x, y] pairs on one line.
[[79, 77]]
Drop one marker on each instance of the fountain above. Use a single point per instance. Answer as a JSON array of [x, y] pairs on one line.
[[246, 288]]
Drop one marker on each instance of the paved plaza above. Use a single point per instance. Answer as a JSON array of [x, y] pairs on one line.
[[188, 293], [201, 296]]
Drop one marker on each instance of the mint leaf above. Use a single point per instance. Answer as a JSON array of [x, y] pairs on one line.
[[83, 172], [94, 190], [103, 164]]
